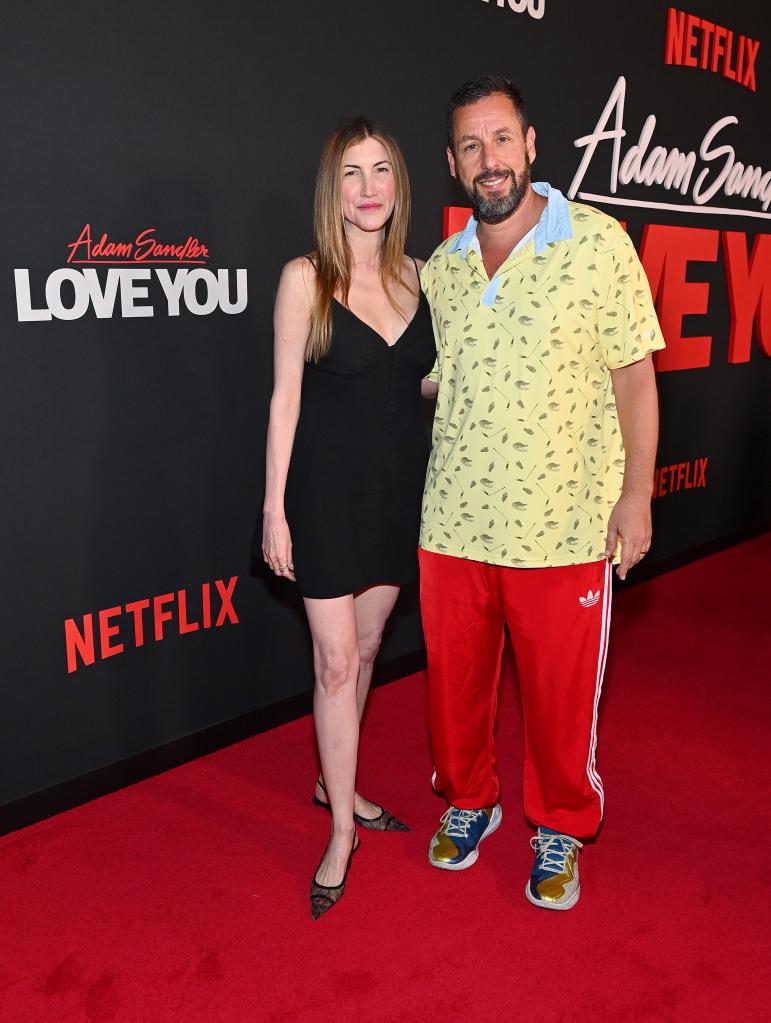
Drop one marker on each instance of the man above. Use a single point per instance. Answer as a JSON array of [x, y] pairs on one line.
[[541, 474]]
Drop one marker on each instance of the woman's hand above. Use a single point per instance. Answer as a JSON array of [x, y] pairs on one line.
[[291, 323], [277, 545]]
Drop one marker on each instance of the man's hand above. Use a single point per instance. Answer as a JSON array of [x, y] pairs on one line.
[[629, 522], [634, 387]]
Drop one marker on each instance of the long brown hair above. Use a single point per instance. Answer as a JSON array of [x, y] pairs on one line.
[[332, 256]]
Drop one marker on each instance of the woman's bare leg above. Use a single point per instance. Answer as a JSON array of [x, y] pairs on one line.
[[336, 663], [371, 608]]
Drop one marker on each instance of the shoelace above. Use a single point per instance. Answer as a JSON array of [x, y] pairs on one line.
[[459, 821], [552, 851]]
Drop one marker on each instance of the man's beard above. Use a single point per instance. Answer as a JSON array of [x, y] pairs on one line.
[[494, 209]]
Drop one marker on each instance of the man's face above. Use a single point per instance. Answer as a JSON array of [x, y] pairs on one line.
[[492, 157]]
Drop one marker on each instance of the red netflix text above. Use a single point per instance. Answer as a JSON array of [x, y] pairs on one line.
[[666, 254], [668, 479], [108, 632], [144, 249], [696, 42]]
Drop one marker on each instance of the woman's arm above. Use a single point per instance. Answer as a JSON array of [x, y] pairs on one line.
[[428, 388], [291, 324]]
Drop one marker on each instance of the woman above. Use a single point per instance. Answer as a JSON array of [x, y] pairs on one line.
[[347, 451]]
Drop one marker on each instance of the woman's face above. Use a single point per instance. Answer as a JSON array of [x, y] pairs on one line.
[[368, 185]]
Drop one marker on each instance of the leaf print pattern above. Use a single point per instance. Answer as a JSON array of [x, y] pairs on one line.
[[527, 457]]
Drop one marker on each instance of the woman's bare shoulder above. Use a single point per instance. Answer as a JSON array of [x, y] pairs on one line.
[[299, 270], [410, 260], [298, 278]]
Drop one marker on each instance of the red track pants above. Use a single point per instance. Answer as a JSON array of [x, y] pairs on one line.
[[558, 620]]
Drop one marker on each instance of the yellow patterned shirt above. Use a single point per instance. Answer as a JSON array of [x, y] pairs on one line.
[[527, 458]]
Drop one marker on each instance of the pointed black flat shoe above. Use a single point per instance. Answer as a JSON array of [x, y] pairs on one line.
[[384, 821], [323, 898]]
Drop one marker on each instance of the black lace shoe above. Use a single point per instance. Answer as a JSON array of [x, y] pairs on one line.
[[384, 821], [323, 898]]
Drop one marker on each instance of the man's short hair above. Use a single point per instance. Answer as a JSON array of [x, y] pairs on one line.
[[479, 88]]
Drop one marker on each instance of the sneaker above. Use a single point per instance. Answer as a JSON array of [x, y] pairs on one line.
[[554, 880], [455, 846]]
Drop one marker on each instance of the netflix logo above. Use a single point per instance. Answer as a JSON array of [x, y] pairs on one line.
[[696, 42], [111, 631], [668, 479]]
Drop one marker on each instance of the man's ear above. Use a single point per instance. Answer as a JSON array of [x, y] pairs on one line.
[[451, 161], [530, 143]]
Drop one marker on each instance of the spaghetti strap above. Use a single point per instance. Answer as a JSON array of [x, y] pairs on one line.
[[417, 272]]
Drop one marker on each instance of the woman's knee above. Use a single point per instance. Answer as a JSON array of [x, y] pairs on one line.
[[369, 644], [337, 670]]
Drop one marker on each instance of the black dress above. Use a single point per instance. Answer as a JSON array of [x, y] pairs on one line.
[[358, 464]]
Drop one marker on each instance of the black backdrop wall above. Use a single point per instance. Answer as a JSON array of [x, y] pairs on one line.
[[136, 379]]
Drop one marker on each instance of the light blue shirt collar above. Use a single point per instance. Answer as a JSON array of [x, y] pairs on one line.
[[553, 226]]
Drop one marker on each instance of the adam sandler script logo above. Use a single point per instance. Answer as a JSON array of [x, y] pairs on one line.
[[130, 281]]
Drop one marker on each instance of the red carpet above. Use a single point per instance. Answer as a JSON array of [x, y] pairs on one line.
[[185, 898]]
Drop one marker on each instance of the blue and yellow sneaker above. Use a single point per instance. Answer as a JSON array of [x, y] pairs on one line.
[[455, 846], [554, 880]]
